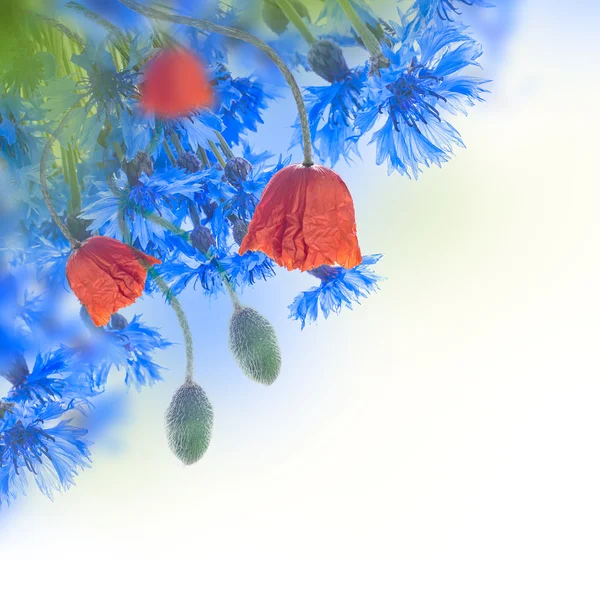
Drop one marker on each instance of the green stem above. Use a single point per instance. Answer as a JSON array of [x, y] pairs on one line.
[[74, 207], [225, 146], [203, 157], [169, 153], [246, 37], [176, 142], [173, 301], [183, 323], [217, 154], [44, 179], [367, 37], [292, 14], [186, 236]]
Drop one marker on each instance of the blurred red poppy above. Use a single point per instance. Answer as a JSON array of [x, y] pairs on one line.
[[107, 275], [305, 219], [175, 84]]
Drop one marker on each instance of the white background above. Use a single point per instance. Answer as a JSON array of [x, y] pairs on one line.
[[438, 442]]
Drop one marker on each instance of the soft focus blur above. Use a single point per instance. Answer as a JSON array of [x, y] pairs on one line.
[[439, 441]]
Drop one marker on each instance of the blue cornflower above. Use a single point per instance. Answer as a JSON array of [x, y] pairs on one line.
[[18, 144], [199, 128], [247, 269], [50, 259], [205, 271], [423, 77], [331, 112], [445, 10], [339, 287], [154, 194], [241, 102], [32, 441], [123, 345], [107, 89], [46, 381]]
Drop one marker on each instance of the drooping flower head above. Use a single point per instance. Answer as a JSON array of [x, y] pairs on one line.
[[175, 84], [107, 275], [305, 219]]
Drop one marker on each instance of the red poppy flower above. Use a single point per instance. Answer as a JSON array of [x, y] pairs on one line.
[[107, 275], [175, 84], [305, 219]]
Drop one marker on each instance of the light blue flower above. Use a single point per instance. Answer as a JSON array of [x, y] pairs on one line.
[[423, 79], [332, 110], [339, 287], [37, 441]]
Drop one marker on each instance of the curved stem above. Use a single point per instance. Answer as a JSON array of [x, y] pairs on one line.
[[186, 236], [183, 323], [287, 8], [44, 180], [367, 37], [172, 300], [245, 37]]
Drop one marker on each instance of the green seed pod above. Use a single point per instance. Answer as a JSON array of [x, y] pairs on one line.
[[189, 422], [253, 343]]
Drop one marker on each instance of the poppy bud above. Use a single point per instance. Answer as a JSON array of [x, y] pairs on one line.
[[305, 219], [240, 229], [202, 238], [107, 275], [118, 322], [237, 169], [175, 84], [253, 343], [190, 162], [142, 163], [189, 422], [327, 60]]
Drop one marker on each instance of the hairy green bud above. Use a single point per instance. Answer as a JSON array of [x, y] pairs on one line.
[[189, 422], [253, 343]]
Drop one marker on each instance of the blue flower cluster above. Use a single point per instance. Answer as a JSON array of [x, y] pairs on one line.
[[184, 189]]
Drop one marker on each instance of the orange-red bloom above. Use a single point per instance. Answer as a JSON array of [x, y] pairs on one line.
[[107, 275], [175, 84], [305, 219]]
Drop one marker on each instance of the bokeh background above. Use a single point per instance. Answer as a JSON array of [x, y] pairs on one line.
[[439, 441]]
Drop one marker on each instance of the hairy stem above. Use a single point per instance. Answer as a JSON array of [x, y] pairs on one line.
[[183, 323], [44, 179], [292, 14], [246, 37], [186, 236]]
